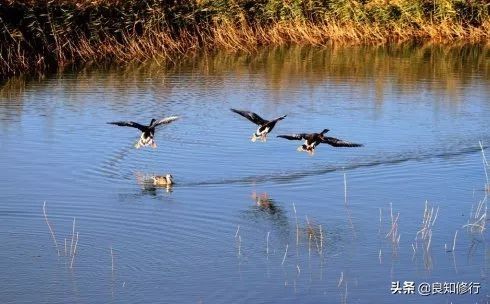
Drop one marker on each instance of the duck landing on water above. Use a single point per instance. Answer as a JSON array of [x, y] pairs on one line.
[[265, 126], [147, 132], [314, 139]]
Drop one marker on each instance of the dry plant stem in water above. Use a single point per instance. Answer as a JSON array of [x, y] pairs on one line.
[[72, 237], [50, 228], [393, 234], [267, 243], [478, 217], [112, 260], [297, 226], [485, 167], [74, 252], [285, 254]]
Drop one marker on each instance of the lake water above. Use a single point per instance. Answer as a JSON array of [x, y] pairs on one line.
[[250, 222]]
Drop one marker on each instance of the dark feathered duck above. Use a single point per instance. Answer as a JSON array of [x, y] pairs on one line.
[[265, 126], [314, 139], [147, 132]]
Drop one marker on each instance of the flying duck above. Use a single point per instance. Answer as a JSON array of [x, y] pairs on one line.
[[148, 132], [265, 126], [314, 139]]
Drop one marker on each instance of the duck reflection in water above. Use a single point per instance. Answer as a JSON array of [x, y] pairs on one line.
[[149, 183], [265, 203], [265, 208]]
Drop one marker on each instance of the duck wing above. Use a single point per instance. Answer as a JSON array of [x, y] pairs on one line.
[[164, 121], [253, 117], [294, 136], [335, 142], [129, 124], [272, 123]]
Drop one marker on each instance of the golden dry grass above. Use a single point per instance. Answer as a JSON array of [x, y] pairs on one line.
[[41, 35]]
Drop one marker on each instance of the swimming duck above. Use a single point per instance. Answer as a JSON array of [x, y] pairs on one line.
[[314, 139], [265, 126], [159, 180], [150, 183], [148, 132]]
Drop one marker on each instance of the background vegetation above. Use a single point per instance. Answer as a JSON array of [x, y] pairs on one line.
[[40, 35]]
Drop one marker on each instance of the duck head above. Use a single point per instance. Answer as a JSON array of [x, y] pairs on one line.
[[170, 179]]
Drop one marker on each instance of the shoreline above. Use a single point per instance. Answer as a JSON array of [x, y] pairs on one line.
[[43, 36]]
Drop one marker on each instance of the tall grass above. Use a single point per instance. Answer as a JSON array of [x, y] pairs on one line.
[[40, 35]]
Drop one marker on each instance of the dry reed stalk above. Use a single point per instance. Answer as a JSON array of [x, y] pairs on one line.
[[321, 239], [237, 230], [393, 233], [454, 240], [267, 250], [74, 252], [112, 260], [50, 228], [485, 166], [478, 217], [349, 216], [72, 236], [297, 226], [239, 245], [425, 233], [341, 279], [285, 254], [309, 245]]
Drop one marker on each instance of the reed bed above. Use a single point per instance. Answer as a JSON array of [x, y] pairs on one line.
[[43, 35]]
